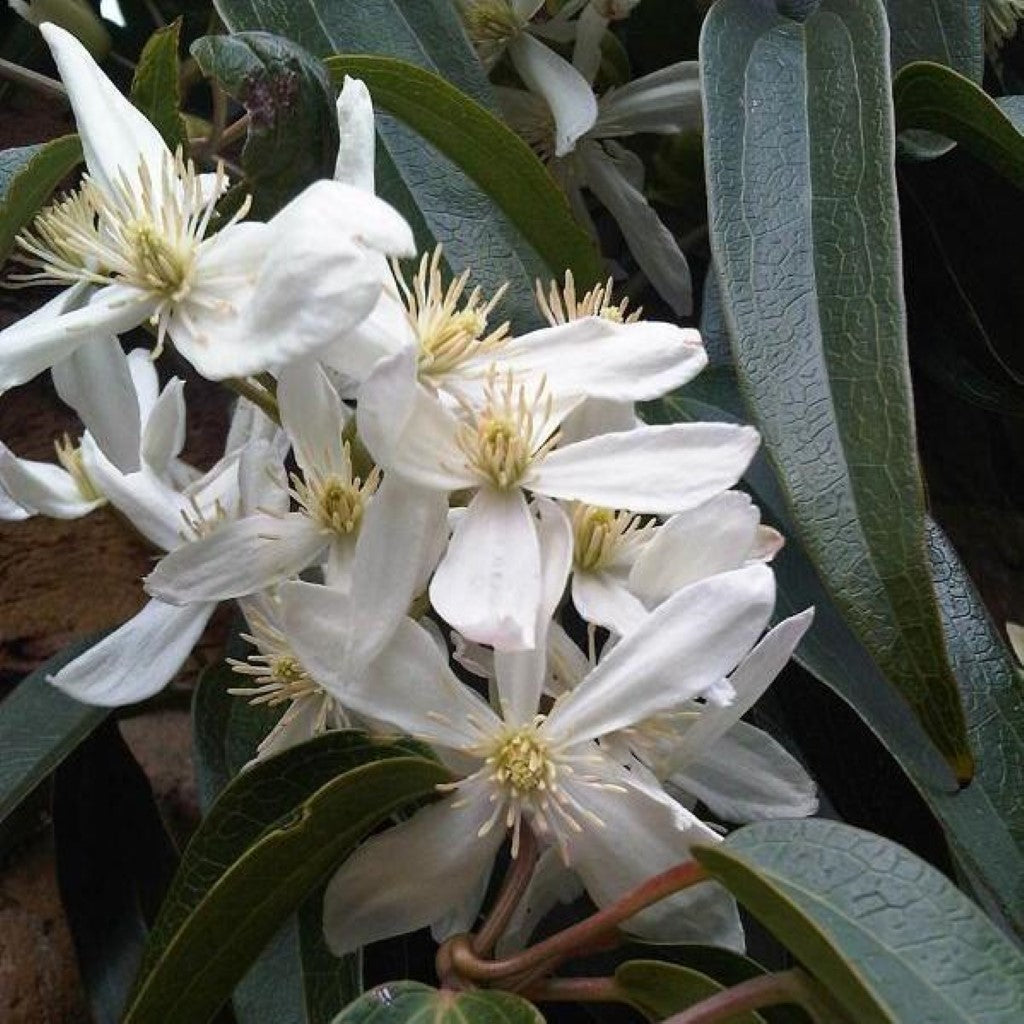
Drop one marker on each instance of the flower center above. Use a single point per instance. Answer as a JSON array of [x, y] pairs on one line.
[[277, 675], [509, 434], [491, 25], [521, 762], [336, 502], [69, 455], [562, 305], [160, 267], [599, 535], [447, 334]]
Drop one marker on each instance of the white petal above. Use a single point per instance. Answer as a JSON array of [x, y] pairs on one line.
[[1016, 637], [567, 93], [37, 342], [411, 875], [298, 724], [42, 487], [138, 659], [488, 585], [357, 137], [314, 417], [666, 101], [10, 510], [116, 137], [748, 776], [595, 357], [145, 381], [598, 416], [586, 52], [752, 677], [650, 242], [96, 381], [716, 536], [661, 469], [645, 833], [163, 436], [603, 599], [237, 559], [687, 644]]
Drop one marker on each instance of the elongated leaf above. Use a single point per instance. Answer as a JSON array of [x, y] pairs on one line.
[[271, 838], [492, 155], [155, 87], [114, 863], [293, 128], [890, 937], [429, 189], [39, 727], [799, 156], [403, 1002], [931, 96], [28, 175], [950, 32], [659, 990]]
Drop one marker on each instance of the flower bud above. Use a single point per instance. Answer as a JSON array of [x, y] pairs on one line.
[[74, 16]]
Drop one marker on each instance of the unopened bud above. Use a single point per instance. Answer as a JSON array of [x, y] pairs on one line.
[[74, 16]]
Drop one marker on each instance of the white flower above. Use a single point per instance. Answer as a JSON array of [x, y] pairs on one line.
[[614, 829], [590, 27], [666, 101], [133, 244], [503, 445]]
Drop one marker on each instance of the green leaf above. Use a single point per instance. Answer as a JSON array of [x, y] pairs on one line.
[[660, 990], [39, 727], [155, 87], [114, 863], [28, 176], [406, 1002], [293, 128], [441, 202], [931, 96], [270, 839], [887, 935], [492, 155], [804, 232]]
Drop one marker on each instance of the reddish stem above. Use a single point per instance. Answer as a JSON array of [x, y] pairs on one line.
[[791, 986], [575, 990], [513, 886]]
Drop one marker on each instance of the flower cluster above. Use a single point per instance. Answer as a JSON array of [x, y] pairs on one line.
[[434, 524]]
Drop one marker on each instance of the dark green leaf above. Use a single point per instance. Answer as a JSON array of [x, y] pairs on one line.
[[114, 863], [931, 96], [155, 87], [437, 198], [406, 1002], [799, 157], [888, 936], [28, 175], [660, 990], [950, 32], [39, 727], [492, 155], [270, 839], [293, 128]]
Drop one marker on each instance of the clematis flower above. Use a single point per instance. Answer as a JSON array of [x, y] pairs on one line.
[[664, 102], [133, 245], [590, 27], [611, 827], [505, 445]]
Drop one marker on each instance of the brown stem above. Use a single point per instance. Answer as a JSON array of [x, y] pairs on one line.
[[219, 117], [575, 990], [565, 943], [234, 131], [513, 887], [32, 80], [257, 395]]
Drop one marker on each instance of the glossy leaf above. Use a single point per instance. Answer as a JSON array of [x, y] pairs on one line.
[[888, 936], [39, 728], [271, 838], [28, 176], [405, 1002], [293, 129], [155, 85], [660, 990], [931, 96], [439, 200], [114, 863], [804, 232]]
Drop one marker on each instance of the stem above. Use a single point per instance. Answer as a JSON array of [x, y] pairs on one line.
[[32, 80], [792, 986], [235, 130], [598, 926], [513, 887], [220, 114], [257, 395], [575, 990]]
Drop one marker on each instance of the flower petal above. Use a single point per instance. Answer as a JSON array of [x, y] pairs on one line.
[[96, 381], [42, 487], [687, 644], [661, 469], [163, 435], [603, 599], [239, 558], [666, 101], [137, 660], [567, 93], [488, 585], [314, 417], [413, 874], [357, 136]]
